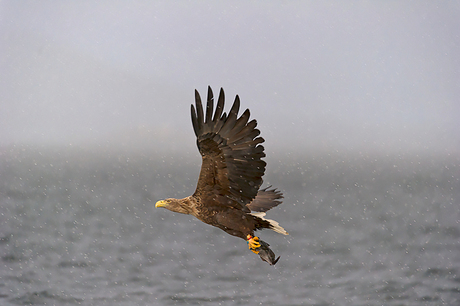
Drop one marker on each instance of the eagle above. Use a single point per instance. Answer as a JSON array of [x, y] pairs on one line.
[[228, 194]]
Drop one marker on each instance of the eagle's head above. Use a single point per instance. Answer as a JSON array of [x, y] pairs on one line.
[[175, 205]]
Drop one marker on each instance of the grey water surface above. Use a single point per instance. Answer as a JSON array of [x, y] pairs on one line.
[[80, 228]]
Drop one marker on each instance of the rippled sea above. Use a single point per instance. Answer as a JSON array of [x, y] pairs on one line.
[[79, 228]]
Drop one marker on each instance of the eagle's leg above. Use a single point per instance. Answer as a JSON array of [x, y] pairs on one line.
[[253, 243]]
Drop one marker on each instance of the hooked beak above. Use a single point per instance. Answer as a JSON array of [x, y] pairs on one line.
[[161, 203]]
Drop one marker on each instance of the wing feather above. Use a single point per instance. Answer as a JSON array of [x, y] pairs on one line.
[[209, 109], [239, 125], [231, 153], [199, 111], [266, 199], [249, 127], [219, 107], [194, 120]]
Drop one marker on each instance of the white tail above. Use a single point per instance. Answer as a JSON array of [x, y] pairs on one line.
[[274, 225]]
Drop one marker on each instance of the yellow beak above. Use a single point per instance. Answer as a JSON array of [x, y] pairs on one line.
[[161, 203]]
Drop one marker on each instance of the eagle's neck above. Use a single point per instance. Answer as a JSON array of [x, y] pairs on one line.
[[191, 204], [184, 206]]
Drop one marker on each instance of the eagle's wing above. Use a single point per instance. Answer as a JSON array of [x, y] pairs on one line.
[[265, 200], [232, 168]]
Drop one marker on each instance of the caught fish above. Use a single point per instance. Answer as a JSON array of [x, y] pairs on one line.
[[266, 254]]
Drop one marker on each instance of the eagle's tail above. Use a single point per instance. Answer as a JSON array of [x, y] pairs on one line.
[[273, 225]]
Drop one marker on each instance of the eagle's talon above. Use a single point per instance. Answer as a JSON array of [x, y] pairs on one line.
[[253, 243]]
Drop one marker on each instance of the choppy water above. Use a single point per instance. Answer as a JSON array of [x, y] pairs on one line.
[[80, 229]]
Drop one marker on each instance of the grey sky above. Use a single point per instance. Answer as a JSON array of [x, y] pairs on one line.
[[345, 75]]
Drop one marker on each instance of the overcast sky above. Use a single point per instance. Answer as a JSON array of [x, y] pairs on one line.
[[330, 75]]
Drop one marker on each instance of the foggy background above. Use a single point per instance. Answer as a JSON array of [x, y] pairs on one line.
[[358, 104], [378, 76]]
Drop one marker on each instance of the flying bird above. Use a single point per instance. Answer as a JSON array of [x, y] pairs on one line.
[[228, 193]]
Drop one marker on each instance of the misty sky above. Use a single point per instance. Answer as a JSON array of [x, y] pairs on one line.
[[329, 75]]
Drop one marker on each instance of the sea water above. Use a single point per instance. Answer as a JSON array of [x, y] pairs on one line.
[[80, 228]]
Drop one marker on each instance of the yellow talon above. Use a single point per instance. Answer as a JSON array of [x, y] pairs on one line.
[[253, 243]]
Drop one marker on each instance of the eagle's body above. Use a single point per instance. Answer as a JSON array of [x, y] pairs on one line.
[[231, 175]]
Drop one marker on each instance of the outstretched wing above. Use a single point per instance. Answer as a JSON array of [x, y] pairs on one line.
[[232, 168], [266, 199]]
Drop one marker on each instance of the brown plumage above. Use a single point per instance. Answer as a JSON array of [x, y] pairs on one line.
[[228, 187]]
